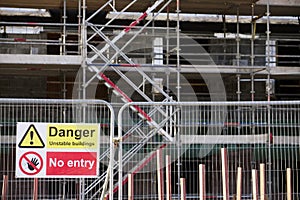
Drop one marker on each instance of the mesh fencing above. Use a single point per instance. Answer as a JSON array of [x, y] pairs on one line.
[[186, 134], [48, 111], [253, 133]]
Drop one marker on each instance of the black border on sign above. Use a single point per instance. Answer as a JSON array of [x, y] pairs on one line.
[[23, 138], [37, 171]]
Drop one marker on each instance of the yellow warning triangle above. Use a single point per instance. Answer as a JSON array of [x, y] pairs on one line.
[[31, 139]]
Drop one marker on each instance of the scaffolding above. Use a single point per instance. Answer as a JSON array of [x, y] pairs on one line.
[[144, 61]]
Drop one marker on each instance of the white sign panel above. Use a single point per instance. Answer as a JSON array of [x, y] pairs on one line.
[[57, 150]]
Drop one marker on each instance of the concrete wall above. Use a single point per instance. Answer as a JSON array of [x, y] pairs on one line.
[[24, 44], [23, 87]]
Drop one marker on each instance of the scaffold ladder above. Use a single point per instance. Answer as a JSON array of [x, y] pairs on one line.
[[129, 154], [116, 90], [98, 70]]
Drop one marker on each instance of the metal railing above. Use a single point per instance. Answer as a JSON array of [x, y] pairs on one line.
[[253, 133], [40, 38], [49, 111], [284, 49]]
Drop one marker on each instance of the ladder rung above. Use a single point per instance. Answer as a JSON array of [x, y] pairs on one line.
[[73, 34], [151, 124], [107, 85], [91, 69], [116, 93], [124, 100], [142, 116], [160, 130], [133, 109], [165, 134]]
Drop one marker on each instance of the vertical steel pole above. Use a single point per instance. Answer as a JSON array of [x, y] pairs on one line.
[[268, 47], [178, 50], [252, 34], [252, 87], [168, 50], [269, 107], [238, 56], [225, 40], [83, 65], [64, 91], [169, 124], [238, 53], [64, 27], [109, 180], [178, 95], [252, 50], [168, 38], [79, 28], [84, 48], [238, 64], [120, 155], [112, 152]]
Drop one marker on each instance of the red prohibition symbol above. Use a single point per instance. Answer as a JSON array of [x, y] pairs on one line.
[[33, 163]]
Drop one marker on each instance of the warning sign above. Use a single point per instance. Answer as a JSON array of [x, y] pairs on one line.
[[72, 136], [31, 163], [31, 139], [57, 150], [70, 163]]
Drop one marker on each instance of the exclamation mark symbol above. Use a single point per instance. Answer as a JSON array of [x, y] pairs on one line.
[[31, 137]]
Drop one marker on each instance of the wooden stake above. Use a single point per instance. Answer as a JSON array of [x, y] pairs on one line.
[[106, 197], [168, 178], [239, 184], [202, 181], [225, 180], [160, 181], [262, 181], [130, 187], [254, 184], [77, 190], [4, 187], [35, 188], [289, 184], [182, 189]]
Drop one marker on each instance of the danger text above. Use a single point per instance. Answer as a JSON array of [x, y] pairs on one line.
[[75, 133]]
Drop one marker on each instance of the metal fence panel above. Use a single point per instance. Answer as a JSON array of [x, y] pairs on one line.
[[253, 133], [54, 111]]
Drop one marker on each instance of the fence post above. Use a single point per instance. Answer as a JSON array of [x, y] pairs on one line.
[[254, 185], [160, 182], [168, 178], [288, 184], [35, 188], [4, 187], [202, 181], [262, 181], [182, 189], [130, 187], [239, 184], [225, 180]]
